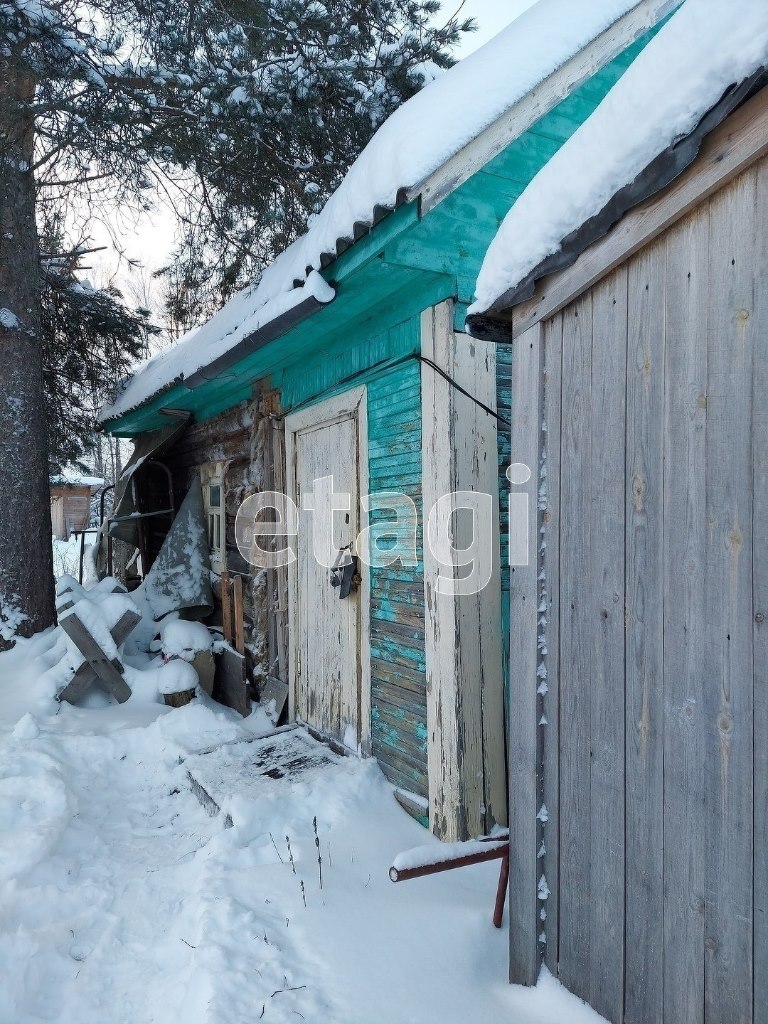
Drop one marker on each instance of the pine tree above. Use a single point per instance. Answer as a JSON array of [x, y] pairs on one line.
[[91, 340], [241, 106]]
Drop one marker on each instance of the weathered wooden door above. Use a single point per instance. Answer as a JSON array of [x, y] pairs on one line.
[[639, 672], [324, 444], [57, 518]]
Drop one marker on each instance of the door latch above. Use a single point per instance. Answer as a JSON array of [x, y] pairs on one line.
[[344, 574]]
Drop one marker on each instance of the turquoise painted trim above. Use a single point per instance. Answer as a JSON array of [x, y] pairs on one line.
[[370, 246]]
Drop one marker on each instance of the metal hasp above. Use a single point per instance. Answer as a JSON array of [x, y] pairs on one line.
[[344, 574], [498, 849]]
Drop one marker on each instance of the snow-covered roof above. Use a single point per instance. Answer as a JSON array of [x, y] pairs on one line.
[[417, 140], [707, 46], [71, 478], [244, 314]]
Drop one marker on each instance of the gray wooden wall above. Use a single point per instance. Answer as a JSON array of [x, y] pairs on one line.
[[645, 402]]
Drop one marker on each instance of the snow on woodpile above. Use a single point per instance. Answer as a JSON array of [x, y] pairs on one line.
[[707, 46], [184, 639], [410, 146], [176, 676]]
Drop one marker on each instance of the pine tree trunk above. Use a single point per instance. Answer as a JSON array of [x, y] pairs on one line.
[[26, 560]]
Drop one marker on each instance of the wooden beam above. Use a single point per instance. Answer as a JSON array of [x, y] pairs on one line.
[[440, 625], [740, 141], [109, 671], [226, 607], [238, 625], [539, 101]]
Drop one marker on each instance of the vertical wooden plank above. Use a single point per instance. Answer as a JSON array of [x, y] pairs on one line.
[[576, 625], [549, 608], [226, 607], [280, 611], [644, 995], [523, 740], [606, 626], [440, 625], [684, 543], [760, 596], [480, 692], [728, 698], [238, 623]]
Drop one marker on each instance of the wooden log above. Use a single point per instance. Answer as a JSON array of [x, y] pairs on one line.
[[178, 700]]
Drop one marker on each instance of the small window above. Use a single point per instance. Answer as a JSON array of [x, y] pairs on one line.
[[213, 498]]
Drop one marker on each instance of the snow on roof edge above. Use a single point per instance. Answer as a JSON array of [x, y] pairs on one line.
[[705, 48], [237, 320], [71, 479]]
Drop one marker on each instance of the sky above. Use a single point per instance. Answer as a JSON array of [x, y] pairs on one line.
[[151, 240]]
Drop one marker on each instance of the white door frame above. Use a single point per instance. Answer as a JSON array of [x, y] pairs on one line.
[[348, 404]]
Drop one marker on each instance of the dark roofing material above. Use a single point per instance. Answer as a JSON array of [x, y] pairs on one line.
[[660, 173]]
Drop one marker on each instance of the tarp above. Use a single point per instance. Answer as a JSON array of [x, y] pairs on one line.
[[146, 447], [180, 578]]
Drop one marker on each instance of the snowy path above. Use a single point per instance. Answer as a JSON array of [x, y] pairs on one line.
[[121, 900]]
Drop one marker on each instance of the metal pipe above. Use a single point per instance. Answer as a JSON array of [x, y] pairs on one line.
[[501, 892], [109, 487], [495, 851]]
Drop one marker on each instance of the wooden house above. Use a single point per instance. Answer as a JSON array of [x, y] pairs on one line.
[[71, 495], [639, 770], [350, 359]]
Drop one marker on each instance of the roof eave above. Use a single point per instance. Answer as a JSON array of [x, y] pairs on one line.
[[501, 323]]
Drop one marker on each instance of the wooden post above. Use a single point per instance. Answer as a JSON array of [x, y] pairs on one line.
[[226, 607], [238, 626]]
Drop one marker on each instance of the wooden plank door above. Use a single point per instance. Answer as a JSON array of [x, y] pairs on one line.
[[327, 667]]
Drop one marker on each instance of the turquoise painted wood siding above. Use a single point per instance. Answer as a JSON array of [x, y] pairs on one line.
[[398, 672], [385, 365]]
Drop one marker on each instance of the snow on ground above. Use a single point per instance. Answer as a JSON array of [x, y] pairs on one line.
[[707, 46], [122, 900]]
